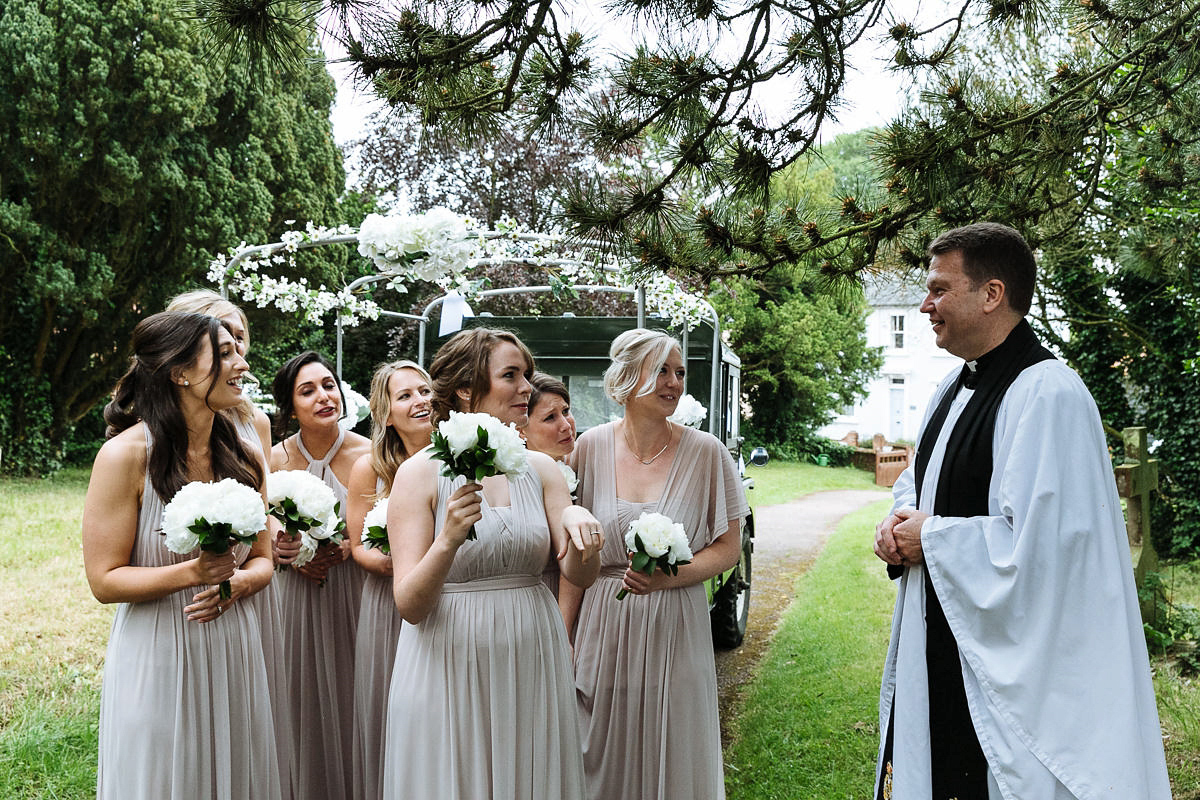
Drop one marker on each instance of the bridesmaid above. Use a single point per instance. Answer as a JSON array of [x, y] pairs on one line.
[[321, 599], [250, 420], [184, 710], [254, 426], [400, 426], [551, 427], [644, 670], [481, 702], [550, 430]]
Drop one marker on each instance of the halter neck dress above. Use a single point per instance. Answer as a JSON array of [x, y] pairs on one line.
[[319, 628], [481, 703], [645, 676], [184, 708], [374, 654]]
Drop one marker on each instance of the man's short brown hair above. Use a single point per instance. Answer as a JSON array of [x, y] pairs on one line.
[[991, 251]]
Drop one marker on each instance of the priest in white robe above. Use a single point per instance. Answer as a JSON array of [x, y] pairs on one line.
[[1017, 666]]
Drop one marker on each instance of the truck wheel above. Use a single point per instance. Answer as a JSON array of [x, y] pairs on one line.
[[731, 603]]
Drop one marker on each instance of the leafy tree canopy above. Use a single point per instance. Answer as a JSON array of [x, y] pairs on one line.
[[696, 70], [128, 156]]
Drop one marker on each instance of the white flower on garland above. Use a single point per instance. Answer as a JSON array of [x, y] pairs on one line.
[[569, 475], [427, 246], [213, 517], [690, 412], [656, 542], [357, 409], [436, 246]]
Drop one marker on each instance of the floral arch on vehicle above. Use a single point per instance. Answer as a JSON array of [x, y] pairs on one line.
[[444, 249]]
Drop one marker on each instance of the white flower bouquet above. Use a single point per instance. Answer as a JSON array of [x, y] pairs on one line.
[[569, 475], [656, 542], [375, 527], [357, 407], [689, 412], [427, 246], [477, 446], [307, 508], [212, 517]]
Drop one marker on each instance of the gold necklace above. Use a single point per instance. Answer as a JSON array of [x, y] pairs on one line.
[[653, 458]]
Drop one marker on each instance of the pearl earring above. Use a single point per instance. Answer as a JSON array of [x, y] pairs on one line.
[[185, 382]]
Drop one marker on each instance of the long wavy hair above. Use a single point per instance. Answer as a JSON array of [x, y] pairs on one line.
[[387, 448], [164, 344], [463, 363], [284, 386], [206, 301]]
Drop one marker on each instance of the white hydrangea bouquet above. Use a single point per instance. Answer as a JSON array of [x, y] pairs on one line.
[[690, 412], [375, 527], [477, 446], [307, 508], [656, 542], [213, 517]]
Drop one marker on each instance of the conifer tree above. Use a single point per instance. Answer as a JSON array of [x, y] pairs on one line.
[[695, 71], [128, 158]]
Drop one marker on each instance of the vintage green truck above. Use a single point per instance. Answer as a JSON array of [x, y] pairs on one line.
[[575, 350]]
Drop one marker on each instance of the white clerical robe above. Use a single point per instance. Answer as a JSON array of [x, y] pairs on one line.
[[1041, 600]]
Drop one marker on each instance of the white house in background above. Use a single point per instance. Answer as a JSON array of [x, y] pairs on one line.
[[913, 365]]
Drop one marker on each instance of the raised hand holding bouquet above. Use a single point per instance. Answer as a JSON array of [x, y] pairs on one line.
[[656, 541], [307, 508], [213, 517], [477, 446], [375, 527]]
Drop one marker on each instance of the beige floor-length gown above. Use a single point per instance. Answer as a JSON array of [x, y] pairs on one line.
[[319, 628], [270, 619], [374, 654], [644, 670], [481, 703], [184, 709]]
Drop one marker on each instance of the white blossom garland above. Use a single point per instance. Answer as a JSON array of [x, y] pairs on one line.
[[438, 247]]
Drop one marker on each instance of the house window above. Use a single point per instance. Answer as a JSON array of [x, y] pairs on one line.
[[898, 331]]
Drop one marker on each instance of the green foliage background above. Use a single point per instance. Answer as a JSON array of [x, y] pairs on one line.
[[128, 157]]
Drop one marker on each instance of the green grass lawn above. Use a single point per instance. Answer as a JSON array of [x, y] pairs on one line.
[[783, 481], [808, 728], [52, 639]]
